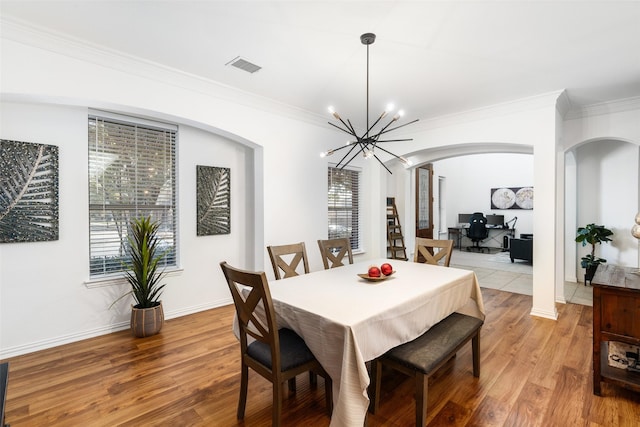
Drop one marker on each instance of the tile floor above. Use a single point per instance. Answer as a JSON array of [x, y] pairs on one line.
[[496, 271]]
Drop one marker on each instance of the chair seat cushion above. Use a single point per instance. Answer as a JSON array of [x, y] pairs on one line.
[[293, 351], [428, 351]]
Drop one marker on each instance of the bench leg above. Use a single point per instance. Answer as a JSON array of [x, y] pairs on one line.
[[475, 344], [422, 384]]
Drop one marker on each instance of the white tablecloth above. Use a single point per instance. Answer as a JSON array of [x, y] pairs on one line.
[[347, 321]]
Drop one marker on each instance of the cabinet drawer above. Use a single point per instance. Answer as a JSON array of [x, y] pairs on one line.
[[619, 314]]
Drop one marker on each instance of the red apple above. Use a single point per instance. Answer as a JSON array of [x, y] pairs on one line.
[[386, 269], [374, 271]]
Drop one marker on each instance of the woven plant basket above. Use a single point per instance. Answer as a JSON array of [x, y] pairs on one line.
[[146, 321]]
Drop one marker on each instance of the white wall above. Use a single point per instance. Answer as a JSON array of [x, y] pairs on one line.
[[44, 294], [279, 184], [614, 130], [48, 84], [608, 195]]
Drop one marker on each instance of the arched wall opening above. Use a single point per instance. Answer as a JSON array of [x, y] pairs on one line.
[[601, 187]]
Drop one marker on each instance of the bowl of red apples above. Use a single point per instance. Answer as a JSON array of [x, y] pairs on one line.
[[376, 273]]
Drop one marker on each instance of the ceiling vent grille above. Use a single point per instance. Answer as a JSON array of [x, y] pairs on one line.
[[243, 64]]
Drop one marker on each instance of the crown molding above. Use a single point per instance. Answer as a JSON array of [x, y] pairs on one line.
[[601, 108], [515, 106], [62, 44]]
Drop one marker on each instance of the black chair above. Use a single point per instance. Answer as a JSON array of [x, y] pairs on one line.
[[477, 231]]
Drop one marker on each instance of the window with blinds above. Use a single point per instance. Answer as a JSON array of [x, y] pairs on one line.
[[132, 171], [344, 195]]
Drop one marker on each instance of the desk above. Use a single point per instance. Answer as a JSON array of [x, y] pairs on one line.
[[347, 321], [495, 234]]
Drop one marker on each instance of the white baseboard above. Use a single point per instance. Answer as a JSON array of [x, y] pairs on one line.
[[19, 350]]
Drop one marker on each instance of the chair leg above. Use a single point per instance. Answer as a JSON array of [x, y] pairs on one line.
[[422, 384], [374, 385], [244, 380], [292, 385], [276, 412], [475, 345]]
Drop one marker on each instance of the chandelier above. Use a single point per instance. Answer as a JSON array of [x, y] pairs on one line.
[[367, 142]]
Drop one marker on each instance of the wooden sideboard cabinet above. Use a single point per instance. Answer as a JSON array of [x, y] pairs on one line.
[[616, 317]]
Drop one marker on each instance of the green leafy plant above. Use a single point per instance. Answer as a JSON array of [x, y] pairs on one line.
[[592, 234], [142, 272]]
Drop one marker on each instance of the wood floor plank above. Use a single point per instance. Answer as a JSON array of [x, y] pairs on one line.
[[534, 372]]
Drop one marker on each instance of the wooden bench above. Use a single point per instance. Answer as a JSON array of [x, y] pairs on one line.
[[4, 380], [423, 356]]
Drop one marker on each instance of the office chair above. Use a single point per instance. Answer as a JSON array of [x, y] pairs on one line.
[[477, 230]]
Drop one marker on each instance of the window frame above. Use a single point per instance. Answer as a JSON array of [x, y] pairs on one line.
[[131, 201], [355, 217]]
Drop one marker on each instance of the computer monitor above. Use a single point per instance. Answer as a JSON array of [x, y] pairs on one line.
[[495, 220], [464, 218]]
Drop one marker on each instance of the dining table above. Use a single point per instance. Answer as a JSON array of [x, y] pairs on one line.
[[347, 320]]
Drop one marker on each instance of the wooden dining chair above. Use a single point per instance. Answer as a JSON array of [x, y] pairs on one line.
[[333, 252], [279, 355], [431, 251], [286, 259]]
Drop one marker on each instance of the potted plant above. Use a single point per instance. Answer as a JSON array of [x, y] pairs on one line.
[[147, 315], [592, 234]]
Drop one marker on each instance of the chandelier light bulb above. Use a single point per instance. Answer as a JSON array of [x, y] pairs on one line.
[[367, 154], [405, 161], [635, 230], [390, 108]]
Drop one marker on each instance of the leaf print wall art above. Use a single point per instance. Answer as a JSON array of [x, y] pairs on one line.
[[214, 200], [28, 192]]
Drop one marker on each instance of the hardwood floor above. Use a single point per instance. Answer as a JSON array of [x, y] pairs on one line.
[[534, 372]]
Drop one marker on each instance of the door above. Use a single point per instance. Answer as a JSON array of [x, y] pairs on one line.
[[424, 201]]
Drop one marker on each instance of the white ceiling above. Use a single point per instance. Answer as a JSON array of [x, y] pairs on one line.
[[430, 58]]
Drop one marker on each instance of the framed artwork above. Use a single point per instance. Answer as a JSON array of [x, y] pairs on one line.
[[512, 198], [28, 192], [213, 193]]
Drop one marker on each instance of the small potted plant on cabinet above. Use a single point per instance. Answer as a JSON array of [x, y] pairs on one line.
[[592, 234], [147, 315]]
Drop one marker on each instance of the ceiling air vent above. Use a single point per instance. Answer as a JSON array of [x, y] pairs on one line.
[[243, 64]]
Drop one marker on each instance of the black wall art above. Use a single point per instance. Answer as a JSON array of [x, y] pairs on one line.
[[512, 198], [214, 200], [28, 192]]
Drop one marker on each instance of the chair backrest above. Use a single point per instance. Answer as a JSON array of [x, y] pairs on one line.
[[478, 226], [430, 251], [333, 252], [285, 260], [254, 308]]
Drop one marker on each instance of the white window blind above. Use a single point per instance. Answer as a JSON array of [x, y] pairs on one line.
[[132, 169], [344, 195]]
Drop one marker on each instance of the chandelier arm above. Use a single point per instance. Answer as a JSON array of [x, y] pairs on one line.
[[353, 130], [398, 127], [348, 126], [380, 161], [345, 156], [382, 130], [362, 147], [395, 140], [342, 129], [389, 152], [376, 122]]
